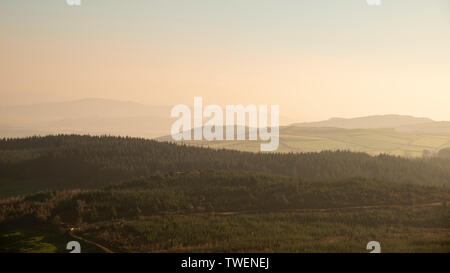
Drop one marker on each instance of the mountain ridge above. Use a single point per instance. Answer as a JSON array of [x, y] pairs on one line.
[[367, 122]]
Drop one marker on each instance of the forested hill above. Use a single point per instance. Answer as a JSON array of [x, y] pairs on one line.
[[74, 161]]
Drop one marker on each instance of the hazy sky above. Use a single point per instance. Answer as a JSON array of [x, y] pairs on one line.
[[316, 59]]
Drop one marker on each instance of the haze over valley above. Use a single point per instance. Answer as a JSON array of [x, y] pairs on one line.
[[93, 96], [391, 134]]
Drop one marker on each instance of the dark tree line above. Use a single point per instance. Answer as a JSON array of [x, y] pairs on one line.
[[210, 192], [74, 161]]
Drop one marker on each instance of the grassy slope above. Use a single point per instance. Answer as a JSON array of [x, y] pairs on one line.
[[237, 212], [37, 239], [397, 229], [372, 141]]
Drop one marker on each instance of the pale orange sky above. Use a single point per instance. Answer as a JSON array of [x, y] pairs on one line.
[[316, 59]]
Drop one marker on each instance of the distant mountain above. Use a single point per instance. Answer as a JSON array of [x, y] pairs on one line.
[[370, 122], [86, 116], [391, 134], [84, 108]]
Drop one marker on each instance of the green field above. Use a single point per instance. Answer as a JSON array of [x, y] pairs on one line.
[[37, 239], [371, 141]]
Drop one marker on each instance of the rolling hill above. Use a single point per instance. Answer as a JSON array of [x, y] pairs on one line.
[[70, 161], [390, 134], [88, 116], [370, 122], [122, 194], [298, 139]]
